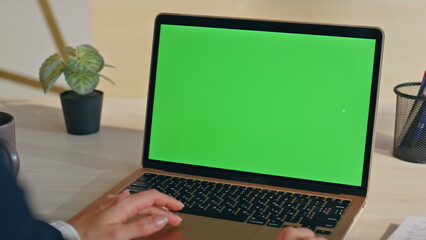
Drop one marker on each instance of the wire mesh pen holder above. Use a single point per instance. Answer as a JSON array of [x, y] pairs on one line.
[[410, 124]]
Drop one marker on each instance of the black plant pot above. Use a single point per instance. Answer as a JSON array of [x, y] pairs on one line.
[[82, 113]]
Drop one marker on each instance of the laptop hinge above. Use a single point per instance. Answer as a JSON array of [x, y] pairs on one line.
[[249, 179]]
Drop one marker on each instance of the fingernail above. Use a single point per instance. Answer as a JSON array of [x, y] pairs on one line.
[[160, 220], [178, 218]]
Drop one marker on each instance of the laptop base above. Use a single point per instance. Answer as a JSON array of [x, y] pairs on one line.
[[197, 227]]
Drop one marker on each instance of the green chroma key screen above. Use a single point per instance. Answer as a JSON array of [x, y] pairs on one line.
[[283, 104]]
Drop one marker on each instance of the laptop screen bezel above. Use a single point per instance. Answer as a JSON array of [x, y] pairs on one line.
[[274, 26]]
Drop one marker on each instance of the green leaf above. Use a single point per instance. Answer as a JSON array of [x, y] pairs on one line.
[[82, 83], [110, 66], [86, 47], [107, 78], [70, 51], [50, 71], [86, 60]]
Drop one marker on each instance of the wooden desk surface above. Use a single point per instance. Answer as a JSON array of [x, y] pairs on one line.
[[63, 173]]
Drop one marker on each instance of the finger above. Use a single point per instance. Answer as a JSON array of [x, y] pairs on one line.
[[109, 196], [305, 232], [105, 202], [174, 219], [125, 193], [150, 198], [291, 233], [144, 226], [310, 238], [108, 200]]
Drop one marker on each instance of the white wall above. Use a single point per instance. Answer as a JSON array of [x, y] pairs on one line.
[[123, 31], [25, 39]]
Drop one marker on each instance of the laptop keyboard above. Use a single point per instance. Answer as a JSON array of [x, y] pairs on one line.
[[247, 204]]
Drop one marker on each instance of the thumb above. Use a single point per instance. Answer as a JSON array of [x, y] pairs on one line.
[[146, 226]]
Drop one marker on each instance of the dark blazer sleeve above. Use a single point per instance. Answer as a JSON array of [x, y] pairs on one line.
[[16, 220]]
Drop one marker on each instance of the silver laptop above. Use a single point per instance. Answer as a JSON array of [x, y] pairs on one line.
[[257, 125]]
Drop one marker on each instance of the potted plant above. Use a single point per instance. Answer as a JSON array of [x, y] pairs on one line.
[[83, 104]]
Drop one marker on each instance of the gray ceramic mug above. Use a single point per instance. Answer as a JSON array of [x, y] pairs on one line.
[[8, 142]]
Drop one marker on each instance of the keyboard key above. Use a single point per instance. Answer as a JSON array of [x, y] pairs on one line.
[[336, 212], [234, 217], [310, 226], [134, 189], [332, 218], [305, 214], [260, 208], [317, 202], [292, 219], [324, 232], [319, 222], [324, 210], [328, 224], [259, 214], [275, 210], [229, 210], [149, 175], [143, 179], [244, 212], [275, 223], [289, 211], [140, 184], [258, 221], [278, 217]]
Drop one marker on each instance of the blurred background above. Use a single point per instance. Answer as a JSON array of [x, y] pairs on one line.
[[122, 32]]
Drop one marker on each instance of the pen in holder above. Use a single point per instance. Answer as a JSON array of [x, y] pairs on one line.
[[410, 123]]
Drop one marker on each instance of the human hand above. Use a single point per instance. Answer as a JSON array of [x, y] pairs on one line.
[[291, 233], [108, 218]]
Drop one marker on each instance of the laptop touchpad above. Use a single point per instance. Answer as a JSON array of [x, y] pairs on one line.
[[197, 228]]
